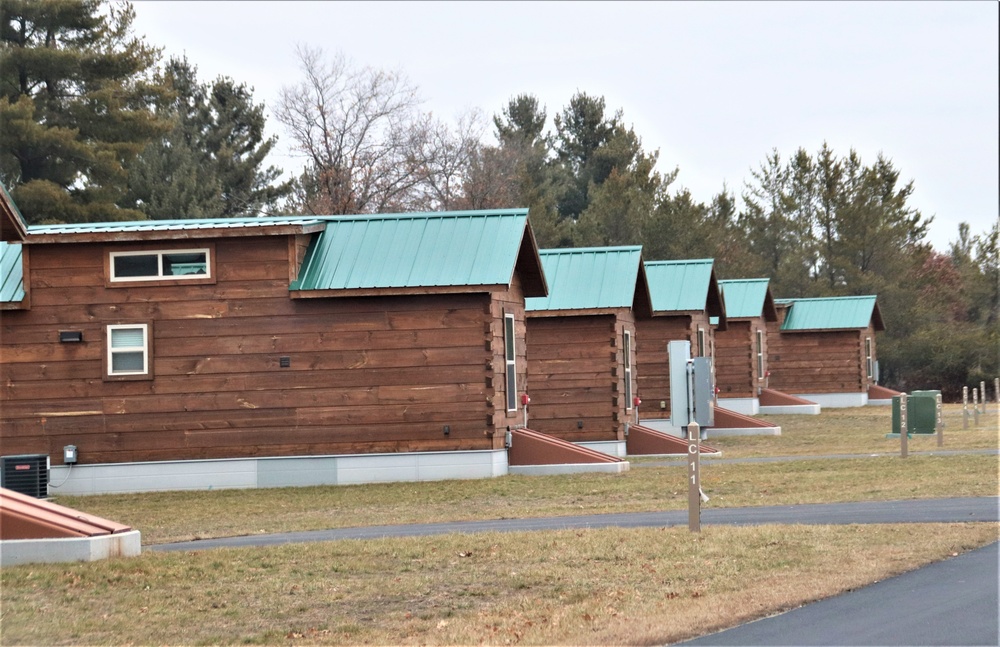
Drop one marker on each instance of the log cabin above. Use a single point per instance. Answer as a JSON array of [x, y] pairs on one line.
[[823, 349], [685, 296], [261, 352], [741, 349], [581, 345]]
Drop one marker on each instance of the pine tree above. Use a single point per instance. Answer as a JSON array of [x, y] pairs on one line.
[[75, 94], [534, 181], [210, 164]]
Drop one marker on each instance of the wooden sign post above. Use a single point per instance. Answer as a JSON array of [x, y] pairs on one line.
[[694, 477]]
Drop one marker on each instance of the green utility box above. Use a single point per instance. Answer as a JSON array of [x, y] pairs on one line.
[[925, 416], [922, 413]]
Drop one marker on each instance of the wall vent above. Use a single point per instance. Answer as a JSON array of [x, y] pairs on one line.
[[27, 474]]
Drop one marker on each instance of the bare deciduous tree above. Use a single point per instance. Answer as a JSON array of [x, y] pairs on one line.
[[449, 155], [362, 133]]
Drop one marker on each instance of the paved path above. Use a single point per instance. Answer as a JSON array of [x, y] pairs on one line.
[[709, 458], [910, 511]]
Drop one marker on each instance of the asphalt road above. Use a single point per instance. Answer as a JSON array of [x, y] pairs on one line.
[[954, 602]]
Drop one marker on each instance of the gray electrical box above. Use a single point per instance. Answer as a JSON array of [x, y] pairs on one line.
[[678, 355], [704, 392], [692, 387]]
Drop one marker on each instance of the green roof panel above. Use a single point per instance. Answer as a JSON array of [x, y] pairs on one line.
[[439, 249], [679, 286], [183, 224], [11, 273], [744, 298], [832, 313], [587, 278]]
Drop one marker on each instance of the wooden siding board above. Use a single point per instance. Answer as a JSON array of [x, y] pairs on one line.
[[818, 361], [574, 364]]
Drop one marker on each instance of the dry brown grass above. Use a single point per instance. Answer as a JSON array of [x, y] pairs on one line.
[[597, 587], [859, 430], [181, 516], [584, 587]]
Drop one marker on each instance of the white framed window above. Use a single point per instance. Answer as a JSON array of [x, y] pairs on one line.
[[511, 361], [627, 347], [702, 351], [160, 265], [128, 350], [760, 354], [869, 360]]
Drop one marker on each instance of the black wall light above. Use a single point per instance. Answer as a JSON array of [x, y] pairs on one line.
[[66, 336]]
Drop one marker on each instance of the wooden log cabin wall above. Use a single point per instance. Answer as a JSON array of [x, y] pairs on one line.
[[581, 345], [393, 337], [824, 349], [741, 350], [685, 296]]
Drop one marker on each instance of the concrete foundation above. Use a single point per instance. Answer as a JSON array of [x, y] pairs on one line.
[[234, 473], [69, 549]]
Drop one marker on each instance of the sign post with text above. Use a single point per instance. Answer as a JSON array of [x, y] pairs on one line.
[[694, 476]]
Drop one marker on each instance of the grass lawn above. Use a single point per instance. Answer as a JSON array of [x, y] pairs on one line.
[[606, 586]]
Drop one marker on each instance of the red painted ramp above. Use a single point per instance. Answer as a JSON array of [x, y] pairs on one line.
[[25, 517], [876, 392], [726, 419], [535, 448], [645, 441], [772, 398]]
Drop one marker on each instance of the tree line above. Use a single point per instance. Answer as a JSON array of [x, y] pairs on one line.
[[95, 126]]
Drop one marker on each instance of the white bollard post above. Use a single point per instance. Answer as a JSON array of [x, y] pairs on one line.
[[982, 393], [975, 408], [939, 419], [965, 407]]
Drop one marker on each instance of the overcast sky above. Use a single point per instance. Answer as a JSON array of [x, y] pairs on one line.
[[714, 86]]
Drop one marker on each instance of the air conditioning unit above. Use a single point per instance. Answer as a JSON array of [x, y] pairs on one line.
[[27, 474]]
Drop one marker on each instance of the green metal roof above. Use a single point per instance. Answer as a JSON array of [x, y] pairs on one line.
[[745, 298], [588, 277], [11, 273], [832, 313], [679, 286], [169, 225], [458, 248]]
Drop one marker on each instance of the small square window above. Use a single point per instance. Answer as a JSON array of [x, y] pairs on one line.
[[128, 350]]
